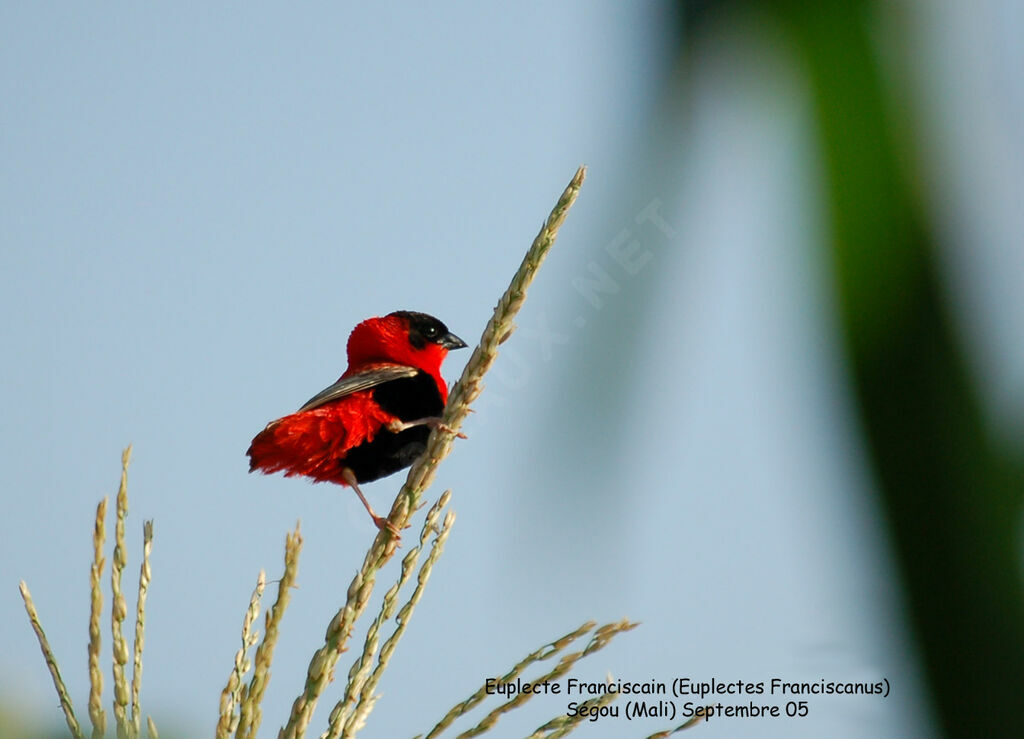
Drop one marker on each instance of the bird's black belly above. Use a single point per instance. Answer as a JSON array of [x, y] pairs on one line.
[[410, 399], [387, 453]]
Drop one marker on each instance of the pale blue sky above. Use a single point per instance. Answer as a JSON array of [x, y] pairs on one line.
[[199, 204]]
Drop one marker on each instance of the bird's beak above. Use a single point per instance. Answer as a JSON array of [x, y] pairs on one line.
[[451, 341]]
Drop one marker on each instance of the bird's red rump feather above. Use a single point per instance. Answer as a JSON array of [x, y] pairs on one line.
[[313, 443]]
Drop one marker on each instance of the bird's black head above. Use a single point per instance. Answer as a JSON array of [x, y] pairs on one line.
[[424, 329]]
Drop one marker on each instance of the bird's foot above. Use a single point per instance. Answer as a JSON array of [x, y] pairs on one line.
[[382, 523], [396, 426]]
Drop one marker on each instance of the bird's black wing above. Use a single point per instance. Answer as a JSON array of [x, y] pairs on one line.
[[372, 377]]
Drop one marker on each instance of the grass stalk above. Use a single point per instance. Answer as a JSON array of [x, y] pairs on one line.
[[250, 711], [97, 715], [230, 697], [563, 724], [682, 727], [359, 697], [498, 328], [118, 606], [598, 641], [51, 663], [145, 575], [545, 652], [367, 697]]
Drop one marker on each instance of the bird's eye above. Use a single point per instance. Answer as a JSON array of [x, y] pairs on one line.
[[430, 332]]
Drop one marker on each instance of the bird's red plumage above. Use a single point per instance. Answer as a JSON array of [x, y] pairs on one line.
[[314, 443], [311, 443], [386, 340]]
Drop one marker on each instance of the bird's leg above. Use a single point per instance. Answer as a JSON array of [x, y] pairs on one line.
[[432, 421], [379, 521]]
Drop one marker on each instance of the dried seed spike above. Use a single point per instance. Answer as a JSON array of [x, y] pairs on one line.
[[322, 664]]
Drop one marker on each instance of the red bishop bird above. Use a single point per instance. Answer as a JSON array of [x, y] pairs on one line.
[[375, 420]]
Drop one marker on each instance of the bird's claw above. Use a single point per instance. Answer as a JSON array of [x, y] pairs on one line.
[[450, 430], [383, 523], [398, 426]]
